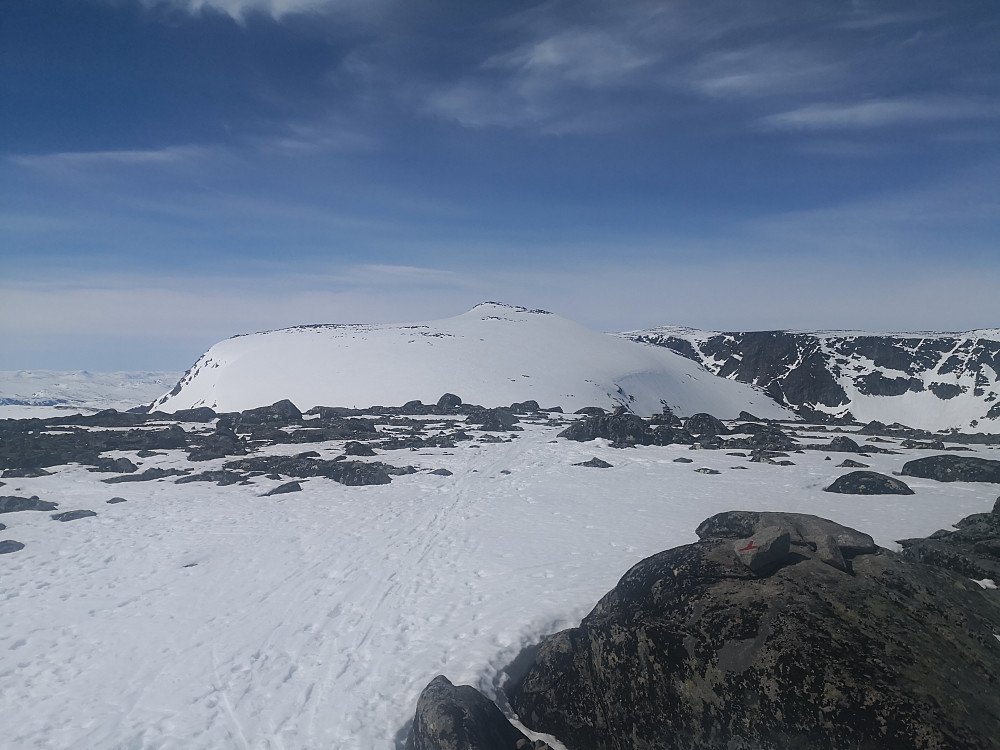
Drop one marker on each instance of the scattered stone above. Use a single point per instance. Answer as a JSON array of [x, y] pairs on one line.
[[355, 448], [147, 475], [26, 472], [868, 483], [114, 465], [221, 477], [843, 444], [198, 414], [704, 470], [623, 430], [116, 500], [72, 515], [952, 468], [595, 463], [705, 424], [12, 504], [494, 420], [848, 463], [442, 472], [683, 460], [284, 489], [450, 717], [351, 473], [9, 545]]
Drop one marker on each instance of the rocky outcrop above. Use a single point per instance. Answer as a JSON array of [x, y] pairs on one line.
[[953, 469], [972, 549], [868, 483], [459, 717], [827, 643], [350, 473]]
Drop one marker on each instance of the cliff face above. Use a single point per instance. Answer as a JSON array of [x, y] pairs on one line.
[[932, 381]]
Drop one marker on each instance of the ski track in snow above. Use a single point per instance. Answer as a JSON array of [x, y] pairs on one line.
[[200, 617]]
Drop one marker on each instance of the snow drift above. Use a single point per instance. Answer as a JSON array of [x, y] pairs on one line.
[[493, 355]]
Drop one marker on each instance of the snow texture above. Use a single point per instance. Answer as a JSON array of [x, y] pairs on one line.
[[493, 355]]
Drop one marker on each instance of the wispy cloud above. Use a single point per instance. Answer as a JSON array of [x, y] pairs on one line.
[[880, 113], [763, 70], [86, 160], [239, 9]]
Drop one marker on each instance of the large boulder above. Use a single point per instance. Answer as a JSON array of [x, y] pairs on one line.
[[695, 650], [459, 717], [972, 549], [952, 468], [705, 424], [623, 430], [868, 483]]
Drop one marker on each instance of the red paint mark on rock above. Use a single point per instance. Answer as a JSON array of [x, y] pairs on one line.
[[749, 547]]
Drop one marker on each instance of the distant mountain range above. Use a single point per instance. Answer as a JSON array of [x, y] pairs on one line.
[[933, 381]]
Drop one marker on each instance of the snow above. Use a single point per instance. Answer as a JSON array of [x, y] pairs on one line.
[[195, 617], [46, 393], [493, 355]]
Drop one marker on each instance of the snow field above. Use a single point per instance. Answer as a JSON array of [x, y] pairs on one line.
[[195, 616]]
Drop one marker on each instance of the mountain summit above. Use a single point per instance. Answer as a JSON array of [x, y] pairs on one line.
[[493, 355]]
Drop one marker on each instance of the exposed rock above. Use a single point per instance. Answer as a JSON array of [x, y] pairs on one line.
[[351, 473], [442, 472], [525, 407], [26, 473], [72, 515], [448, 402], [705, 470], [148, 475], [223, 442], [13, 503], [591, 411], [972, 549], [450, 717], [765, 550], [284, 489], [705, 424], [494, 420], [221, 477], [683, 460], [9, 545], [694, 651], [114, 465], [198, 414], [354, 448], [805, 530], [868, 483], [849, 463], [116, 500], [595, 463], [624, 430], [952, 468], [843, 444]]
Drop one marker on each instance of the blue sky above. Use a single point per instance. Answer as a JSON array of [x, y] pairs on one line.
[[173, 172]]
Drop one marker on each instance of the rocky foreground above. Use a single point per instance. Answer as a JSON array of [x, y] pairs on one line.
[[774, 631]]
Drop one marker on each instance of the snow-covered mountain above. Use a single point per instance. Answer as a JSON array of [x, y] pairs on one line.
[[43, 392], [932, 381], [493, 355]]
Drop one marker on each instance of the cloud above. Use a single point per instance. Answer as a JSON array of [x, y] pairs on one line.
[[763, 70], [73, 161], [239, 9], [880, 113]]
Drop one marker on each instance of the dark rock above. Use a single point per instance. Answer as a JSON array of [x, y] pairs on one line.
[[284, 489], [351, 473], [705, 424], [843, 444], [116, 500], [148, 454], [450, 717], [595, 463], [221, 477], [308, 454], [868, 483], [693, 651], [848, 463], [26, 473], [494, 420], [805, 530], [525, 407], [355, 448], [199, 414], [705, 470], [147, 475], [765, 550], [12, 504], [952, 468], [972, 549], [114, 465], [683, 460], [746, 416], [441, 472], [9, 545], [591, 411], [448, 402], [223, 442], [624, 430], [72, 515], [282, 412]]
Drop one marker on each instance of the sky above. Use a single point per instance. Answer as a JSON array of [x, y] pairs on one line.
[[173, 172]]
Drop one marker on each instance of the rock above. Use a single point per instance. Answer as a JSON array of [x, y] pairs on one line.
[[448, 402], [116, 500], [683, 460], [223, 442], [765, 550], [282, 412], [114, 465], [591, 411], [26, 472], [595, 463], [354, 448], [284, 489], [952, 468], [494, 420], [704, 470], [525, 407], [868, 483], [693, 651], [805, 530], [623, 430], [450, 717], [147, 475], [198, 414], [848, 463], [972, 549], [350, 473], [442, 472], [704, 424], [746, 416], [9, 545], [221, 477], [843, 444], [12, 504], [72, 515]]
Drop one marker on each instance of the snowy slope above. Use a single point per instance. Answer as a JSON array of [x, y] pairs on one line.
[[37, 393], [196, 617], [932, 381], [493, 355]]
